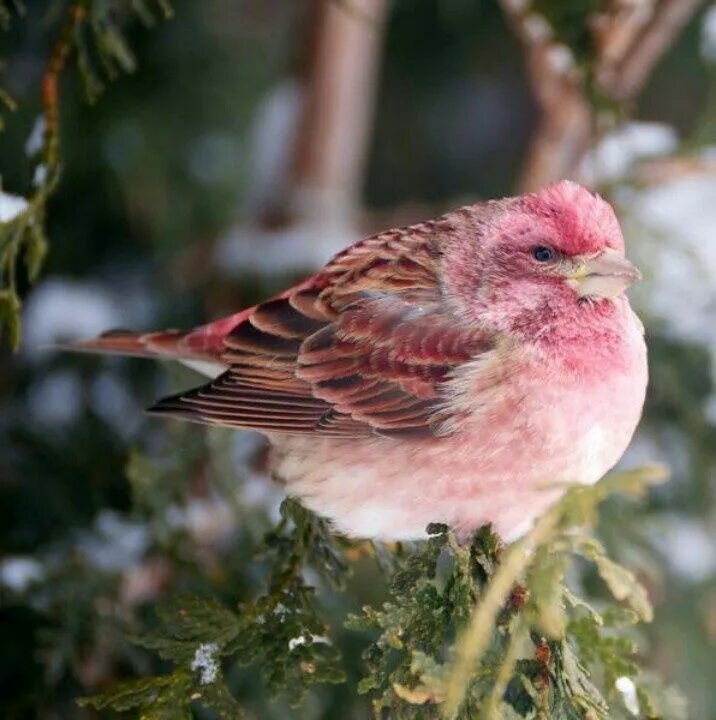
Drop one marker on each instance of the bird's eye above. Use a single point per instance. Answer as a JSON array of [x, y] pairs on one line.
[[542, 253]]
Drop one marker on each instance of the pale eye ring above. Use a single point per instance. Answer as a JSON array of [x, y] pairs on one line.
[[543, 253]]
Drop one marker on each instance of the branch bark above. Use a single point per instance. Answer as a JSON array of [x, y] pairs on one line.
[[333, 131], [629, 39], [637, 62]]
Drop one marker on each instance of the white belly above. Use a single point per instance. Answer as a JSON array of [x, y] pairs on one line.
[[391, 490]]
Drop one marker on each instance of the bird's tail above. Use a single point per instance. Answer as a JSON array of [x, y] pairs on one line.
[[205, 343], [166, 343]]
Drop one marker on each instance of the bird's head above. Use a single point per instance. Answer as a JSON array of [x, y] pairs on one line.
[[558, 252]]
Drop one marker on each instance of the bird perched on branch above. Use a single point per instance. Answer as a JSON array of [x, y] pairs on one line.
[[462, 370]]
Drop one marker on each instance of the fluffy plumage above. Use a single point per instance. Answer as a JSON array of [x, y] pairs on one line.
[[455, 370]]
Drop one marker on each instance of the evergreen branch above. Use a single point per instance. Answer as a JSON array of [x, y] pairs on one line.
[[76, 15], [439, 590], [518, 636], [280, 632], [476, 637], [554, 533], [22, 234]]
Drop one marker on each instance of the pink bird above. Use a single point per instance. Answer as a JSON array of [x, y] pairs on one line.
[[458, 370]]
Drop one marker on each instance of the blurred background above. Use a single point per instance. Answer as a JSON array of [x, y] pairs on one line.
[[255, 139]]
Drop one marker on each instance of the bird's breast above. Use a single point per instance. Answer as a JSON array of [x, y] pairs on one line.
[[543, 421]]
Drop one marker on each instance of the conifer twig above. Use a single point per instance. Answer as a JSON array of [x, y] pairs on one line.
[[474, 641], [517, 635], [76, 14], [576, 509]]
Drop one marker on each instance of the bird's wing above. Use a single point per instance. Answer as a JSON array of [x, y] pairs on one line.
[[362, 348]]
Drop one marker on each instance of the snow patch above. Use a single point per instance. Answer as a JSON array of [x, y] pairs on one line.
[[40, 175], [270, 138], [516, 6], [304, 245], [115, 543], [537, 28], [34, 142], [627, 688], [619, 150], [560, 58], [11, 206], [17, 573], [112, 400], [213, 158], [295, 642], [281, 610], [58, 310], [688, 545], [679, 256], [55, 398], [205, 662], [209, 521]]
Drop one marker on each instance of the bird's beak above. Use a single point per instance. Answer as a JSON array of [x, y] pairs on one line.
[[605, 275]]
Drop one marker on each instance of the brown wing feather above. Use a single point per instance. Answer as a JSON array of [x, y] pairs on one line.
[[383, 361], [362, 349]]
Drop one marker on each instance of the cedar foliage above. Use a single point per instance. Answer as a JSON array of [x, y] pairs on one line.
[[549, 652]]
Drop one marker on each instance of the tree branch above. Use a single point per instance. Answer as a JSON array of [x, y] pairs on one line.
[[631, 72], [629, 39], [334, 127], [564, 129]]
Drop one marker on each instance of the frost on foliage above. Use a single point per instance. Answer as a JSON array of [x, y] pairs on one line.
[[205, 662], [295, 642]]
